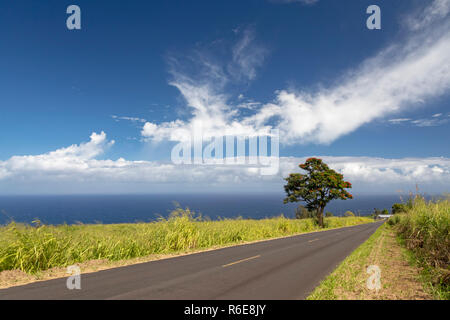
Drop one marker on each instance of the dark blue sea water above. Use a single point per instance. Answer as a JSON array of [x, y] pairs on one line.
[[143, 208]]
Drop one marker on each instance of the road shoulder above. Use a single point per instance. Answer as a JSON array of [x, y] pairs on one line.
[[398, 280]]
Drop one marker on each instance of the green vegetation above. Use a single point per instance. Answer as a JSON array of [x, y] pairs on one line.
[[424, 229], [302, 212], [346, 276], [400, 208], [412, 251], [399, 280], [376, 212], [318, 186], [40, 247]]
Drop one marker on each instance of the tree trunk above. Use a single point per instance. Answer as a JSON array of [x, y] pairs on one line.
[[320, 217]]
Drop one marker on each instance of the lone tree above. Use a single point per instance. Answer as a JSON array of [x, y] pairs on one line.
[[317, 187]]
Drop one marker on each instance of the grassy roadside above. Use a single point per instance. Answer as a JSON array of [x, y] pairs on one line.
[[35, 249], [427, 274], [399, 279], [412, 251], [424, 229]]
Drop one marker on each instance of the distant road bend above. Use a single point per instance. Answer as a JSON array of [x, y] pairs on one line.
[[286, 268]]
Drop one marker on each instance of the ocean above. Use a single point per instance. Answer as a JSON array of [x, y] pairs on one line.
[[88, 209]]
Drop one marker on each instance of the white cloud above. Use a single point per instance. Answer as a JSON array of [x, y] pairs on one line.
[[250, 105], [76, 168], [433, 13], [433, 121], [132, 119], [401, 77], [247, 56], [398, 121], [69, 160], [387, 171], [211, 116]]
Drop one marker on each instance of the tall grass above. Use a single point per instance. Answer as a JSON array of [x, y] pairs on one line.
[[35, 248], [424, 229]]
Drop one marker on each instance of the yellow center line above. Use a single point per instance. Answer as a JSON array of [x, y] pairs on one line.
[[239, 261], [313, 240]]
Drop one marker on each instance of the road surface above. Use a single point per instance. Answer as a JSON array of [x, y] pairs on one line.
[[286, 268]]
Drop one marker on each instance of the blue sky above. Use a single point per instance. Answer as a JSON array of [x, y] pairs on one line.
[[137, 67]]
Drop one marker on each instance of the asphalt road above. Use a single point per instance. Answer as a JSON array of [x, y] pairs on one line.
[[287, 268]]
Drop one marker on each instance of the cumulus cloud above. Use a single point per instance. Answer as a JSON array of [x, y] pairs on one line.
[[402, 76], [381, 171], [77, 167], [58, 163]]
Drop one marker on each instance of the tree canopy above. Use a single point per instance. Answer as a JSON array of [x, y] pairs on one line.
[[316, 187]]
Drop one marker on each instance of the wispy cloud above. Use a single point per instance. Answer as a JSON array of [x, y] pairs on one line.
[[203, 91], [250, 105], [132, 119], [433, 121], [398, 121], [428, 14], [400, 77], [247, 56]]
